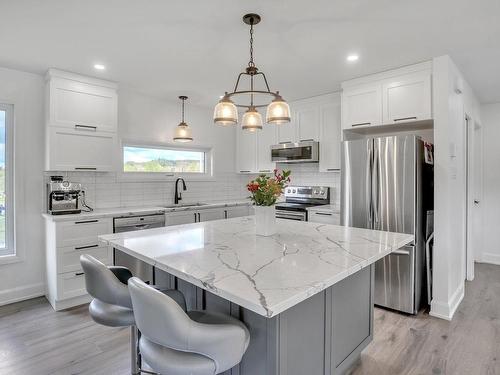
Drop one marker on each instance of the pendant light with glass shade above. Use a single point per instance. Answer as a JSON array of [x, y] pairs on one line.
[[183, 131], [226, 111]]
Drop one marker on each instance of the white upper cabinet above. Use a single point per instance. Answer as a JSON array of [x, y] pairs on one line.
[[362, 106], [80, 150], [246, 151], [286, 132], [85, 103], [81, 123], [307, 121], [330, 135], [265, 139], [407, 98], [397, 96]]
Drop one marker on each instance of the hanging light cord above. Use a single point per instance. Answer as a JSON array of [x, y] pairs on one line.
[[182, 111], [251, 63]]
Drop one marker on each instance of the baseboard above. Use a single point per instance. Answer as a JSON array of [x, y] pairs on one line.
[[21, 293], [490, 258], [446, 310]]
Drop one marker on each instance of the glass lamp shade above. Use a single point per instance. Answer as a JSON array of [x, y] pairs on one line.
[[252, 120], [225, 112], [183, 133], [278, 112]]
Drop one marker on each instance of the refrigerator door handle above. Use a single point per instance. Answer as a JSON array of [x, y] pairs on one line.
[[376, 168], [369, 182]]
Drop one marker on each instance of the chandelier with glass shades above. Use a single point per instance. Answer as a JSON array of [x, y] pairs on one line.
[[183, 132], [226, 111]]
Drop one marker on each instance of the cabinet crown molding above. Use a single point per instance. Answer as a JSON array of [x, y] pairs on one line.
[[56, 73], [374, 78]]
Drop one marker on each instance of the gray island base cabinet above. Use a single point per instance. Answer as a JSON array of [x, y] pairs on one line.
[[305, 293], [322, 335]]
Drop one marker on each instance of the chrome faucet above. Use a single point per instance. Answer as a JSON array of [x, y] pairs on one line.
[[177, 194]]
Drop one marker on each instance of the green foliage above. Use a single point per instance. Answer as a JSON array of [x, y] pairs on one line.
[[266, 190], [163, 165]]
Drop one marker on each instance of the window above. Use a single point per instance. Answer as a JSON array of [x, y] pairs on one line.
[[157, 159], [6, 183]]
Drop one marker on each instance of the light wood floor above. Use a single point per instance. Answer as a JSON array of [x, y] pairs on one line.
[[35, 340]]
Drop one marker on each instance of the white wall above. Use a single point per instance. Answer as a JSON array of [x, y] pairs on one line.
[[26, 278], [490, 202], [449, 109]]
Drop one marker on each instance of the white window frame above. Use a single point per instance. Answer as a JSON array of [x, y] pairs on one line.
[[10, 223], [166, 176]]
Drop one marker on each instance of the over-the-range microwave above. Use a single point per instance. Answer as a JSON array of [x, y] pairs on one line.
[[300, 152]]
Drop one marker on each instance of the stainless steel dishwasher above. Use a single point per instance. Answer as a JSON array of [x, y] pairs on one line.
[[134, 223]]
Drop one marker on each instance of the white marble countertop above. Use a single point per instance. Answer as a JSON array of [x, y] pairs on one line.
[[326, 207], [127, 211], [264, 274]]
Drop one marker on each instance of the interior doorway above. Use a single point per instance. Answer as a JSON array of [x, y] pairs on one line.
[[473, 188]]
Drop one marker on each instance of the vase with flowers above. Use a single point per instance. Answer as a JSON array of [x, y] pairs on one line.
[[265, 191]]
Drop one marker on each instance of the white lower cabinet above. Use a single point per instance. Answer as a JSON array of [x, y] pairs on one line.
[[323, 216], [65, 242], [238, 211], [79, 150], [208, 214]]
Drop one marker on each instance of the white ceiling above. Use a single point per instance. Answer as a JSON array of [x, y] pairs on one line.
[[196, 47]]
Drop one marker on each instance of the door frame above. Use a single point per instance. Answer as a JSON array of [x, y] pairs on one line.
[[470, 173]]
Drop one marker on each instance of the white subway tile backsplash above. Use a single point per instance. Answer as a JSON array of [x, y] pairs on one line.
[[106, 190]]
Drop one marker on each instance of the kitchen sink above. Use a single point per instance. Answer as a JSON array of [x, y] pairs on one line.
[[197, 204]]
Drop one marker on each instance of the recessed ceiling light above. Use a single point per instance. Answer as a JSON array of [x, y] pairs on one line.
[[352, 58], [99, 67]]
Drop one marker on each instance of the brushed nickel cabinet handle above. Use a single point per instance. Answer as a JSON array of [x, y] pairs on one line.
[[85, 127], [86, 221], [244, 171], [361, 124], [323, 213], [79, 273], [405, 118], [85, 168], [333, 169]]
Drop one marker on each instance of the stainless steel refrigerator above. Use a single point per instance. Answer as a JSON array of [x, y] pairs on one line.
[[386, 186]]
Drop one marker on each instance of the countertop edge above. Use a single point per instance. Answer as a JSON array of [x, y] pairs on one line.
[[126, 211]]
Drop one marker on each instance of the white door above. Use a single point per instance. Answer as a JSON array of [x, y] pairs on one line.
[[407, 98], [75, 103], [307, 120], [246, 151], [211, 214], [70, 150], [178, 218], [330, 137], [362, 106], [265, 139], [237, 211]]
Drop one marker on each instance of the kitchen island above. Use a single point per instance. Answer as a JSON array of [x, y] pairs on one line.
[[305, 293]]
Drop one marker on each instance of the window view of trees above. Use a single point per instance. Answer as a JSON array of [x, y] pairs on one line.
[[142, 159]]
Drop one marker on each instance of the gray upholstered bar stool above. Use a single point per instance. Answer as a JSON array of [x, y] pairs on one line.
[[174, 342], [112, 305]]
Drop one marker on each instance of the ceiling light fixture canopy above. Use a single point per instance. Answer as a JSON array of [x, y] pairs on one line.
[[183, 131], [226, 111]]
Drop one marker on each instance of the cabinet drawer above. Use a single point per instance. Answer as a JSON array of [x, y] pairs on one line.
[[70, 285], [68, 258], [82, 232], [325, 217]]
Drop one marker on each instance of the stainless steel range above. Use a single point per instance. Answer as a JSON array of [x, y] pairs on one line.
[[299, 198]]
